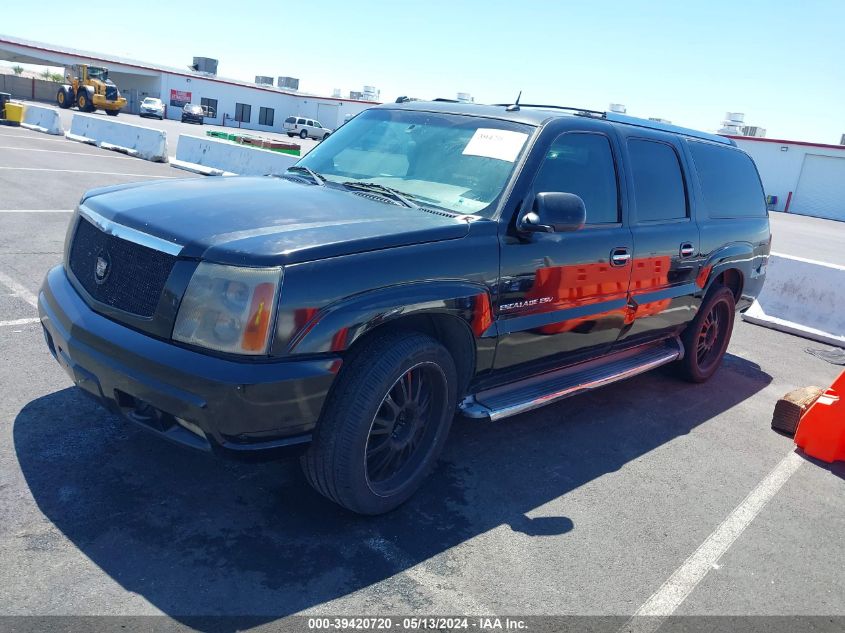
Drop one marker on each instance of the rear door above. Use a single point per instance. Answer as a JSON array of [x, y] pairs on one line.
[[666, 252]]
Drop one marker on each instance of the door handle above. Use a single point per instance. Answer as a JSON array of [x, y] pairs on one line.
[[687, 249], [619, 257]]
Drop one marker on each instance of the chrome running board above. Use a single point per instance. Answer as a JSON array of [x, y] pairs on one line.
[[537, 391]]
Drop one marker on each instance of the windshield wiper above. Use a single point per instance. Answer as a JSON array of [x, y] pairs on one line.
[[382, 189], [317, 178]]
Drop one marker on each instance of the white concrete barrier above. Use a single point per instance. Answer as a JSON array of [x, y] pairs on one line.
[[803, 297], [214, 157], [42, 119], [105, 132]]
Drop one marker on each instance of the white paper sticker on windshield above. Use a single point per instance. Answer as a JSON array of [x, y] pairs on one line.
[[492, 143]]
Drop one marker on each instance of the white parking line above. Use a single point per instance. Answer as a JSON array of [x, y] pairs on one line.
[[58, 151], [665, 601], [36, 210], [36, 136], [87, 171], [20, 322], [18, 290]]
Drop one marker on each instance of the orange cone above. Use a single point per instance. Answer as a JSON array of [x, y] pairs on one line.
[[821, 432]]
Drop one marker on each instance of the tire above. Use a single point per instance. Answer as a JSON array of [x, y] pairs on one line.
[[303, 134], [112, 112], [83, 101], [290, 134], [64, 98], [326, 135], [706, 338], [348, 461]]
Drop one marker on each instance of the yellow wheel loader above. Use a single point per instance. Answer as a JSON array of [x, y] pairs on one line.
[[89, 88]]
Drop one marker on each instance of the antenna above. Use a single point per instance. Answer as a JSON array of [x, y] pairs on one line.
[[514, 107]]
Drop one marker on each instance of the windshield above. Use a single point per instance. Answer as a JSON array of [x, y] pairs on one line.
[[459, 163], [150, 101], [193, 109], [95, 72]]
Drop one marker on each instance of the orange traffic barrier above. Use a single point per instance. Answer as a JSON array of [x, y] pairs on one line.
[[821, 432]]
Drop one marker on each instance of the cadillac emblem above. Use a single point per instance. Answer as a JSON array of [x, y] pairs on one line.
[[102, 268]]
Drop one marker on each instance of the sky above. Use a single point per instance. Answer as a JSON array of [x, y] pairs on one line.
[[780, 63]]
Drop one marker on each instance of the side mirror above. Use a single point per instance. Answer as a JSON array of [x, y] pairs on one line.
[[554, 212]]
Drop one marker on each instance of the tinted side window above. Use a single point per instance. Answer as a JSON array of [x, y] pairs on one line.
[[729, 182], [658, 182], [290, 119], [583, 164]]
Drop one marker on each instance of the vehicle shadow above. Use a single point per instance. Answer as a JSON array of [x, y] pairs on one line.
[[197, 536]]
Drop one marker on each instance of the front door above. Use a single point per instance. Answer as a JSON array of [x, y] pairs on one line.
[[563, 296]]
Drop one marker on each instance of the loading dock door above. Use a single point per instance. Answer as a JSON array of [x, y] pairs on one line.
[[327, 114], [821, 188]]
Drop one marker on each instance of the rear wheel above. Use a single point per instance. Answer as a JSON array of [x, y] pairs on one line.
[[706, 338], [64, 98], [290, 134], [384, 424], [303, 134]]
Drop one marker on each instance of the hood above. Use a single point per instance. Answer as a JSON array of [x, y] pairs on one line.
[[267, 221]]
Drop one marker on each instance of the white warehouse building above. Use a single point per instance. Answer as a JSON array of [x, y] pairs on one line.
[[806, 178], [234, 103]]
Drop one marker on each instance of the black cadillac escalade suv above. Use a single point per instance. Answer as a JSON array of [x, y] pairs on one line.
[[427, 257]]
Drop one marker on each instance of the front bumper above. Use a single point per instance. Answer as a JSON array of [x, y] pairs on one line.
[[235, 408], [101, 102]]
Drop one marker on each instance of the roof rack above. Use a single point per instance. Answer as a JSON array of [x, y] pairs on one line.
[[630, 120], [583, 111], [666, 127]]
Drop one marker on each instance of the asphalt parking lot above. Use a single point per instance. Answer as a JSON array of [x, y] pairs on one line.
[[174, 128], [650, 496]]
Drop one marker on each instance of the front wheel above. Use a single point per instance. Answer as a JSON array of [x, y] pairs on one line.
[[706, 338], [83, 101], [112, 112], [384, 424]]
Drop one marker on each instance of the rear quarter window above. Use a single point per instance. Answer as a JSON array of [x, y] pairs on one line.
[[730, 186], [290, 119]]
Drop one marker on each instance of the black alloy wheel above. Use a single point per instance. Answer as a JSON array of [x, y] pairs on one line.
[[707, 336], [403, 426], [384, 422]]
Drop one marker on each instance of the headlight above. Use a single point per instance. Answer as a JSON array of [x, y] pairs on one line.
[[229, 308]]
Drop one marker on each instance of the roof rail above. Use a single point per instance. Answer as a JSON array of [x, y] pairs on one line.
[[666, 127], [555, 107], [631, 120]]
